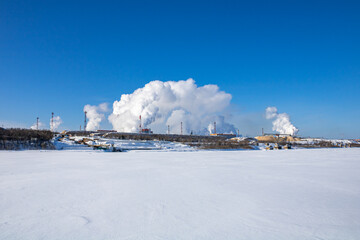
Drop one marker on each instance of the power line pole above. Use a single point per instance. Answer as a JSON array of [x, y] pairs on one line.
[[181, 130], [168, 129], [37, 123], [140, 124], [215, 127]]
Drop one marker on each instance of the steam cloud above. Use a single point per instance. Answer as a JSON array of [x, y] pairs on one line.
[[41, 126], [95, 114], [221, 125], [282, 122], [170, 103], [57, 121]]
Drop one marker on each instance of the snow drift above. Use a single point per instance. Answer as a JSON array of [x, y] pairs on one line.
[[171, 103], [212, 195]]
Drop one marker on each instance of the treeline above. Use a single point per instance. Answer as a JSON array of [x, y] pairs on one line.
[[154, 136], [25, 134], [222, 145], [18, 139]]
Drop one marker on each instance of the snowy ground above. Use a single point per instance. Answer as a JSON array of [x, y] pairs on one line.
[[67, 144], [295, 194]]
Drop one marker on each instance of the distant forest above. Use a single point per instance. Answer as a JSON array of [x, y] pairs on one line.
[[12, 134]]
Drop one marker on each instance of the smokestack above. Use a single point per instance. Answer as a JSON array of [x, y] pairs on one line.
[[85, 122], [52, 121], [215, 127], [181, 129], [140, 124], [281, 122], [37, 123], [156, 109], [94, 115]]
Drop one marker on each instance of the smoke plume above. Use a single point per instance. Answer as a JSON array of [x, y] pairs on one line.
[[95, 114], [282, 122], [40, 126], [56, 123], [221, 126], [172, 103]]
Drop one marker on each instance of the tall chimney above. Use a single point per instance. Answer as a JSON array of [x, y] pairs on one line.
[[140, 124], [52, 121], [85, 122]]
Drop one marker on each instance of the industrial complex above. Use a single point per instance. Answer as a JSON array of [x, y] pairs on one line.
[[112, 140]]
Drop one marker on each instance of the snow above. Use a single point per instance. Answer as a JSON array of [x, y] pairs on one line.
[[317, 140], [293, 194], [69, 144]]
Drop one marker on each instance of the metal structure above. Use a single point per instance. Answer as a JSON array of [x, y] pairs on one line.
[[140, 128], [85, 122], [215, 127], [181, 130], [37, 123], [52, 121], [146, 131], [168, 129]]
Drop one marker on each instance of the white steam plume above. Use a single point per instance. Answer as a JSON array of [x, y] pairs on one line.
[[170, 103], [56, 123], [40, 126], [221, 126], [95, 114], [282, 122]]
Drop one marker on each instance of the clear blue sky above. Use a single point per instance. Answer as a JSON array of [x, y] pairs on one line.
[[302, 57]]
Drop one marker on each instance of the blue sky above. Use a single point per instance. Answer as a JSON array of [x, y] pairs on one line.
[[302, 57]]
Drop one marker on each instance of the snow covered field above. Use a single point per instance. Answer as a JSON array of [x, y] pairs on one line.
[[296, 194]]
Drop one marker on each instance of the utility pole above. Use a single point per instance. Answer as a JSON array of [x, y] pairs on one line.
[[168, 129], [80, 127], [52, 121], [181, 130], [215, 127], [262, 131], [85, 121], [238, 132], [37, 123]]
